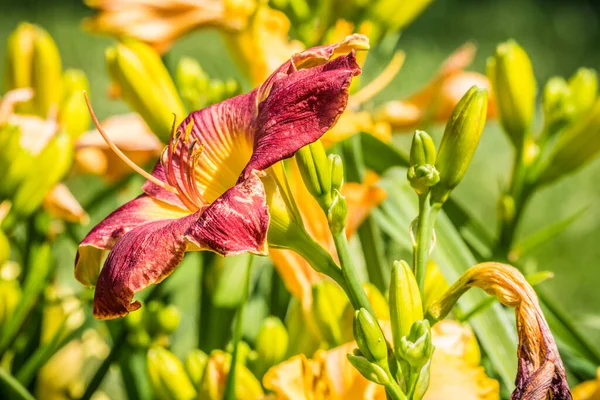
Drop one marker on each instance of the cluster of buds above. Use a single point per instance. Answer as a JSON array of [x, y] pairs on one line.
[[153, 325], [440, 173], [324, 176], [198, 90], [403, 367]]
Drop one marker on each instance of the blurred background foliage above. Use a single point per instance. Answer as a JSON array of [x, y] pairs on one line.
[[559, 36]]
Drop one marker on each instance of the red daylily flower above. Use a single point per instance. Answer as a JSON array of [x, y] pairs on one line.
[[205, 193]]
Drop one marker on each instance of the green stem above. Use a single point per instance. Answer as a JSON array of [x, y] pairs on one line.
[[320, 260], [11, 388], [422, 244], [394, 391], [229, 393], [355, 291]]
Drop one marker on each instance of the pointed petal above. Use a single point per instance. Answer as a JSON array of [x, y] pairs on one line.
[[145, 255], [104, 235], [236, 222], [299, 109], [61, 203]]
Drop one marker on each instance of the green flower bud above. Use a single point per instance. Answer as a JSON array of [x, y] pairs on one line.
[[584, 89], [55, 161], [416, 348], [146, 85], [380, 308], [15, 162], [316, 172], [369, 370], [459, 142], [167, 376], [10, 291], [74, 117], [192, 83], [139, 339], [578, 144], [422, 177], [337, 172], [329, 302], [33, 60], [405, 301], [422, 149], [168, 318], [135, 320], [557, 104], [337, 214], [195, 363], [271, 345], [511, 75], [4, 248], [369, 337]]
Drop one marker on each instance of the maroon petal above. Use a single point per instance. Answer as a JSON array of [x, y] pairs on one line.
[[236, 222], [145, 255], [104, 235], [299, 109], [153, 190]]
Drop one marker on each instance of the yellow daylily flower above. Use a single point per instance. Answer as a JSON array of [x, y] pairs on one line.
[[263, 44], [130, 133], [161, 23], [436, 100], [589, 390], [455, 370]]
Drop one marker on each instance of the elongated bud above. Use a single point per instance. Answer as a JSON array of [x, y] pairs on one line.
[[33, 60], [10, 296], [337, 214], [460, 141], [74, 117], [316, 172], [422, 149], [192, 83], [195, 363], [405, 301], [578, 144], [584, 89], [329, 302], [416, 348], [145, 85], [513, 83], [337, 172], [369, 337], [167, 376], [557, 103], [369, 370], [271, 345], [380, 307], [4, 246], [55, 161]]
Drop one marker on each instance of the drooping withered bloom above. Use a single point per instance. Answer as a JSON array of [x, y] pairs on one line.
[[541, 374], [206, 193]]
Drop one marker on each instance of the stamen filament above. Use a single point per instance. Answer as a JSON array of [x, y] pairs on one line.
[[379, 83], [121, 155]]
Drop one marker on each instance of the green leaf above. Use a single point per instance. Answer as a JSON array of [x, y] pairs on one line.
[[11, 389], [35, 282], [493, 326]]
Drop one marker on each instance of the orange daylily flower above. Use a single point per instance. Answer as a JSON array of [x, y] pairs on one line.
[[455, 369], [296, 272], [61, 204], [436, 100], [130, 133], [161, 23]]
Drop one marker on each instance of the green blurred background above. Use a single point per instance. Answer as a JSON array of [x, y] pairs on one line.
[[559, 36]]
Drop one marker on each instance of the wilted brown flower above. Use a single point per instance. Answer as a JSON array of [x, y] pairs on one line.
[[541, 372]]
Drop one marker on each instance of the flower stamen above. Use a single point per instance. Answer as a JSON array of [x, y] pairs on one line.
[[121, 155], [380, 82]]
